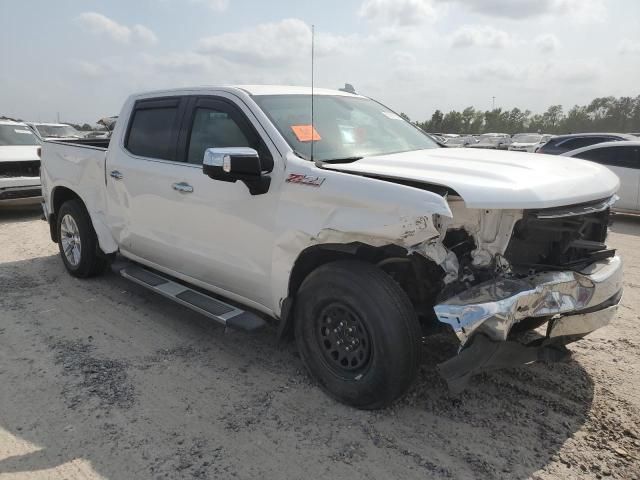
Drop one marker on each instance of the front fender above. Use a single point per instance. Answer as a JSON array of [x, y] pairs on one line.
[[339, 208]]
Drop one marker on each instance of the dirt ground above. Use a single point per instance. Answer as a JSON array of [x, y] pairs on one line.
[[102, 379]]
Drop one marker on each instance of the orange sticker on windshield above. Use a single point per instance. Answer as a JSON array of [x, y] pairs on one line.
[[306, 133]]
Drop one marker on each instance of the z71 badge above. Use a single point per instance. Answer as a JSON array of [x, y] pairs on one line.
[[305, 179]]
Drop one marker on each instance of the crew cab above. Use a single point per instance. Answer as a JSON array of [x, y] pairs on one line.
[[19, 165], [350, 229]]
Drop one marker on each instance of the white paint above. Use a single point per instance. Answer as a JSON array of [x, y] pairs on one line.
[[496, 179]]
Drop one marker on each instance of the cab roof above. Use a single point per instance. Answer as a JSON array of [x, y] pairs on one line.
[[249, 90]]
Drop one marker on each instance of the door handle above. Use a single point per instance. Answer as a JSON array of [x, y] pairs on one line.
[[182, 187], [116, 174]]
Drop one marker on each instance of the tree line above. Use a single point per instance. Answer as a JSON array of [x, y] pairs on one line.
[[605, 114]]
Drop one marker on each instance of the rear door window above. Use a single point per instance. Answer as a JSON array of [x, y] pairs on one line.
[[153, 129]]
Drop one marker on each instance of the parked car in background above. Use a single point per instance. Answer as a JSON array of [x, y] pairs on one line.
[[543, 141], [623, 159], [97, 134], [19, 164], [438, 137], [460, 141], [525, 142], [495, 141], [566, 143], [55, 131]]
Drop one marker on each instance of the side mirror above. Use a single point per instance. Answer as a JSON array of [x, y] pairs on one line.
[[230, 164]]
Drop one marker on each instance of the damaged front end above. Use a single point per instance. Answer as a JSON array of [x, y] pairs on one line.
[[523, 270]]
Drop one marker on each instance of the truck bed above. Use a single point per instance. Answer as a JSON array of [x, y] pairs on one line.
[[87, 142], [79, 166]]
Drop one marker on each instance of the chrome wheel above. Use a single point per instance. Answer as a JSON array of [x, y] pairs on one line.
[[70, 239]]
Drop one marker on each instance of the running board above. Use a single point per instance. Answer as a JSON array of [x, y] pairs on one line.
[[211, 307]]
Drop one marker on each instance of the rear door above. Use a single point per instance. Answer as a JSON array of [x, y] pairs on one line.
[[624, 161], [138, 174]]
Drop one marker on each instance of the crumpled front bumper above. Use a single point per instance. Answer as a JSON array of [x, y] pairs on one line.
[[576, 303]]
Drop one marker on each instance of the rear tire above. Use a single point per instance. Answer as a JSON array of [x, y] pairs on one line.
[[78, 242], [357, 333]]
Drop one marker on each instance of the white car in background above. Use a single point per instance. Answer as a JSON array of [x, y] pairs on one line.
[[460, 141], [19, 165], [623, 159], [525, 142], [543, 141], [55, 131]]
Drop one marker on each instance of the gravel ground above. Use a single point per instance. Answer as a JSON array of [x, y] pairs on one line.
[[102, 379]]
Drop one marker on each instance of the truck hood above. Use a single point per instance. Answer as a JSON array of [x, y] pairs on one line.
[[495, 179], [16, 153]]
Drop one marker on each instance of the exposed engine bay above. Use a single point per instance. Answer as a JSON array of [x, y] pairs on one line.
[[480, 245]]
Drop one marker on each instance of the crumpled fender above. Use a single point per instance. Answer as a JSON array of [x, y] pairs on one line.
[[335, 207]]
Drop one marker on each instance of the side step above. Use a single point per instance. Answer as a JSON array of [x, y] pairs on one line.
[[226, 314]]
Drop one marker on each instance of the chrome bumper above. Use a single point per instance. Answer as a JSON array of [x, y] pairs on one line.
[[575, 303], [20, 194], [494, 307]]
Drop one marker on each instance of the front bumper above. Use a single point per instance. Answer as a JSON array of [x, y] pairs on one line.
[[20, 191], [575, 304]]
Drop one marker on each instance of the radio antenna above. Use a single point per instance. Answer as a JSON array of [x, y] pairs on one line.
[[313, 130]]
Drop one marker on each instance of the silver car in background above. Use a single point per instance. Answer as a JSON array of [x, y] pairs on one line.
[[623, 159], [525, 142], [55, 131]]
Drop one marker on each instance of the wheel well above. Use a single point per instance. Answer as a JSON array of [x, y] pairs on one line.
[[58, 197], [419, 277]]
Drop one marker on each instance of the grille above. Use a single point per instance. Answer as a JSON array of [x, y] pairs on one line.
[[570, 242], [20, 169]]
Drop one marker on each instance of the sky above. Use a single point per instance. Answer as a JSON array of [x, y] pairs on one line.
[[81, 59]]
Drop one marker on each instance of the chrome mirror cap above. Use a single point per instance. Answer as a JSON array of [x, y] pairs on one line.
[[221, 157]]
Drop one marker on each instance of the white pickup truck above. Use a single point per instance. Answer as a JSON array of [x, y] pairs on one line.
[[355, 233]]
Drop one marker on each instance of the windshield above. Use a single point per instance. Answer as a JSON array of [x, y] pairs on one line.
[[527, 138], [58, 131], [17, 135], [344, 127]]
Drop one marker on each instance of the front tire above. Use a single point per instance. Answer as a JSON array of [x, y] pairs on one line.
[[77, 241], [357, 333]]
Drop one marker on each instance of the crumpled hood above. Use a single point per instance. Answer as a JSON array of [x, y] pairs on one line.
[[15, 153], [493, 178]]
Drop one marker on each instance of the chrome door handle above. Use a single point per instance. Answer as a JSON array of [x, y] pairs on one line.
[[182, 187], [116, 174]]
